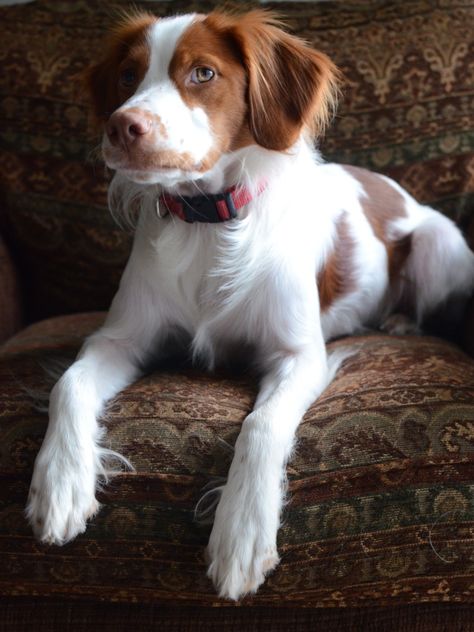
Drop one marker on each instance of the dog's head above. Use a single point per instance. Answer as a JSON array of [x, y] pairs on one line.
[[176, 94]]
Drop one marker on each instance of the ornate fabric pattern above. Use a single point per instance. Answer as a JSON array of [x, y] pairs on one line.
[[381, 507], [10, 301], [406, 111], [380, 484]]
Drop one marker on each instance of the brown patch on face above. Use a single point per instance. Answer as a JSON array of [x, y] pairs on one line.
[[336, 278], [382, 204], [269, 85], [127, 53], [290, 85], [223, 98]]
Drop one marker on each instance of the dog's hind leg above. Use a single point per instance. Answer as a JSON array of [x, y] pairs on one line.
[[440, 268]]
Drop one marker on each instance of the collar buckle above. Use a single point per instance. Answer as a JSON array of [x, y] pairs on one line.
[[210, 209]]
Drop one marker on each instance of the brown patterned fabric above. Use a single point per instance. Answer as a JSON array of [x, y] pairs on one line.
[[10, 298], [406, 111], [380, 484], [381, 508], [53, 615]]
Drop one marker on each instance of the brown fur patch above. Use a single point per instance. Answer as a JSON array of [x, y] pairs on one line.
[[382, 204], [336, 278], [223, 97], [125, 48], [290, 85], [270, 84]]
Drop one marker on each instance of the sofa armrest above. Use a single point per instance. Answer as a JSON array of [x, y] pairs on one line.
[[10, 295], [469, 328], [468, 333]]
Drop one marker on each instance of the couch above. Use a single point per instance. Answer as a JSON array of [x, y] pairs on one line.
[[378, 533]]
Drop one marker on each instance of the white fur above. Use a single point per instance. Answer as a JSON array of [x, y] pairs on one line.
[[187, 129], [249, 281]]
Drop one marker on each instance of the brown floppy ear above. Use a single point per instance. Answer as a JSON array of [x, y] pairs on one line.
[[127, 40], [98, 83], [291, 86]]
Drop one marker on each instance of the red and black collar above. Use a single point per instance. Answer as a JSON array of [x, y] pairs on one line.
[[211, 208]]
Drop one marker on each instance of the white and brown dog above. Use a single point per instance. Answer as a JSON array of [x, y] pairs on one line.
[[244, 237]]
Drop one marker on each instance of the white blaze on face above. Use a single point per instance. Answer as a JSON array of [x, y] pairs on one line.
[[185, 129]]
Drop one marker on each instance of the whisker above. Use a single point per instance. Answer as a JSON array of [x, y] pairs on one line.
[[200, 190]]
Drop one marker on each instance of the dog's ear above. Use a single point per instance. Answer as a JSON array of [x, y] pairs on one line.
[[97, 83], [291, 86], [101, 81]]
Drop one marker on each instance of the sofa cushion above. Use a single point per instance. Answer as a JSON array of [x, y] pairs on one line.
[[406, 111], [380, 483]]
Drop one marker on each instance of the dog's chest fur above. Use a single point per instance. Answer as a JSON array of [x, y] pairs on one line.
[[214, 291]]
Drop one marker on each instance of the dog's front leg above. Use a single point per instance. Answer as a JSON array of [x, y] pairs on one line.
[[62, 492], [242, 546]]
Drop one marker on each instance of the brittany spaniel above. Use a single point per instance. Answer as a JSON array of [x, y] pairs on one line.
[[244, 238]]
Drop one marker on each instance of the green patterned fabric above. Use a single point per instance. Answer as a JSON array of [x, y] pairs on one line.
[[381, 507], [380, 485]]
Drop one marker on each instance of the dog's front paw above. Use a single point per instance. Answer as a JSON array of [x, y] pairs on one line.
[[238, 564], [240, 555], [62, 496], [242, 547]]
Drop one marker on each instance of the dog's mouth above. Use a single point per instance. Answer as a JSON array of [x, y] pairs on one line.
[[144, 161], [167, 175]]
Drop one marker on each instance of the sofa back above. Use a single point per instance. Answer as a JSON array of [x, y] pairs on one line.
[[407, 111]]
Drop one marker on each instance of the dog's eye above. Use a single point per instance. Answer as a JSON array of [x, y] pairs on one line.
[[201, 74], [128, 78]]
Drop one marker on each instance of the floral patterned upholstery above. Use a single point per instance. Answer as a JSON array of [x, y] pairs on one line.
[[381, 502], [380, 484]]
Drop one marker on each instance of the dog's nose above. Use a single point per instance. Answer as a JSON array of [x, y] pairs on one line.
[[125, 127]]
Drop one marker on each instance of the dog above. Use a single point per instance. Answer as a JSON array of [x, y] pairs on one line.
[[244, 237]]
